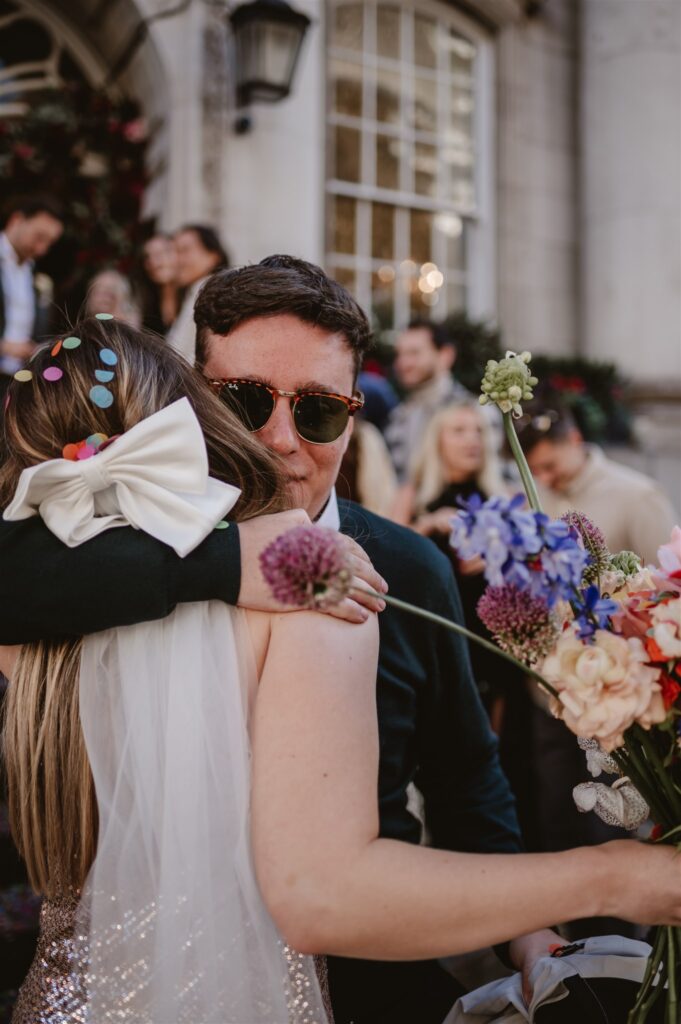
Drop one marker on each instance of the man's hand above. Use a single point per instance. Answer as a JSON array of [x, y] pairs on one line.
[[17, 349], [256, 534], [439, 522], [526, 950]]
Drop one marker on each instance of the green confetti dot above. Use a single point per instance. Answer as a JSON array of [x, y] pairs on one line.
[[104, 316], [222, 525], [71, 342]]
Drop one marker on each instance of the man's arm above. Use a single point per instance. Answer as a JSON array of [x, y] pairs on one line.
[[48, 590]]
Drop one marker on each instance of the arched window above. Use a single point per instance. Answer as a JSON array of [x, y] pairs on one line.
[[409, 151]]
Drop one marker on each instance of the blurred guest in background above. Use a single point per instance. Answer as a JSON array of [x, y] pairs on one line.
[[457, 458], [380, 397], [111, 292], [199, 252], [366, 474], [424, 356], [30, 227], [631, 509], [160, 297]]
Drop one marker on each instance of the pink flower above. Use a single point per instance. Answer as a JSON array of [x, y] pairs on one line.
[[307, 567], [666, 618], [135, 131], [669, 555], [604, 686]]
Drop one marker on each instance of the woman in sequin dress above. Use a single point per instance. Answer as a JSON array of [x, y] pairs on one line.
[[109, 925]]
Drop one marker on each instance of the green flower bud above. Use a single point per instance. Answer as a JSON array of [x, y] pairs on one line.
[[625, 562], [508, 381]]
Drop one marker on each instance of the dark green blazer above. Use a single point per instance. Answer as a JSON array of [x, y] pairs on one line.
[[433, 729]]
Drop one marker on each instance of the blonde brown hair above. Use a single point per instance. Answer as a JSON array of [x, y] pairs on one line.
[[428, 471], [52, 804]]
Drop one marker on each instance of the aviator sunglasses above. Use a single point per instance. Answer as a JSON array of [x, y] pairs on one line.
[[318, 417]]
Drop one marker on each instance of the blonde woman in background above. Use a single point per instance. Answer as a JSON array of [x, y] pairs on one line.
[[111, 292], [457, 459]]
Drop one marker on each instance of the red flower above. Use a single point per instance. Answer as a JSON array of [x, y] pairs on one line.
[[670, 689], [654, 652], [656, 833]]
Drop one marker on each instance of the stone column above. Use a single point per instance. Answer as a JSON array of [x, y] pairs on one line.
[[631, 186]]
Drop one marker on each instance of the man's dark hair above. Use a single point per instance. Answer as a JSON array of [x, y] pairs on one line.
[[210, 240], [30, 206], [277, 286], [439, 334], [544, 419]]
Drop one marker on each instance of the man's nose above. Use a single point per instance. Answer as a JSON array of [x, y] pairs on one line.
[[279, 433]]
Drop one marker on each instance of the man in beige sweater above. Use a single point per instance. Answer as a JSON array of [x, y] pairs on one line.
[[630, 508]]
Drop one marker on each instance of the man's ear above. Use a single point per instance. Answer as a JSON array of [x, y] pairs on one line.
[[447, 357]]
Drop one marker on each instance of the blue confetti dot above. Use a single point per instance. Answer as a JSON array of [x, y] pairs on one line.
[[101, 396], [108, 357], [104, 376], [103, 316]]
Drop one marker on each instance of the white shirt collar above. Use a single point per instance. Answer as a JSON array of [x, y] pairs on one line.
[[330, 516]]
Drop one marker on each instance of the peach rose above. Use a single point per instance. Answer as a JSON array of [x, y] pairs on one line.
[[667, 627], [604, 686]]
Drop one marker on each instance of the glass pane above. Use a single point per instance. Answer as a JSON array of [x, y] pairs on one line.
[[347, 156], [388, 32], [344, 276], [387, 161], [382, 231], [346, 26], [453, 228], [455, 295], [461, 55], [343, 231], [425, 104], [388, 89], [425, 169], [460, 187], [420, 245], [425, 42], [346, 87], [383, 297]]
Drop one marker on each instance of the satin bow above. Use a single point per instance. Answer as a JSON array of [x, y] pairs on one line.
[[154, 477]]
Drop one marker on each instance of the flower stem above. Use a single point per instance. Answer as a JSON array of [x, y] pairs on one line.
[[521, 462], [456, 628]]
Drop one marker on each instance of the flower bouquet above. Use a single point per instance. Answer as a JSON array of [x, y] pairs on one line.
[[600, 633]]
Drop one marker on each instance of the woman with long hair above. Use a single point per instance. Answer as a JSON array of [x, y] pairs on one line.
[[126, 753]]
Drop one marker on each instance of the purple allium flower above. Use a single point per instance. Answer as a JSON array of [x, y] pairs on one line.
[[307, 567], [594, 542], [521, 624]]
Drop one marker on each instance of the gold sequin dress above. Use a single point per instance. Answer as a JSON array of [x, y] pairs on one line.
[[53, 991]]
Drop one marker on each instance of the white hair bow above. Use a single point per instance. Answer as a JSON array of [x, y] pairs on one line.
[[154, 477]]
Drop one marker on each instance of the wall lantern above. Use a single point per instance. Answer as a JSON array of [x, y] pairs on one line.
[[268, 36]]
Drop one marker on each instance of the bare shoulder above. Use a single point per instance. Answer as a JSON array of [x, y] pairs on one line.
[[8, 657]]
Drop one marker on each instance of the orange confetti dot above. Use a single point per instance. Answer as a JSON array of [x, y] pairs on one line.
[[56, 348], [70, 451]]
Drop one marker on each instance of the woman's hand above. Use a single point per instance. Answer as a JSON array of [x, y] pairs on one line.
[[438, 522], [526, 950]]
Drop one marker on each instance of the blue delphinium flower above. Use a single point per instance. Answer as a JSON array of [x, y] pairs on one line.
[[520, 546], [592, 612]]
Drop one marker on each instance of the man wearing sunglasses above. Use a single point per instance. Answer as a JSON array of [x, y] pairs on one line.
[[282, 344]]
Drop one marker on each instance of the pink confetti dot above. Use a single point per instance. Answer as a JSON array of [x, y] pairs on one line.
[[53, 373]]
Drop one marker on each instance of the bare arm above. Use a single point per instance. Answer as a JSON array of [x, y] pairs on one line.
[[333, 886], [8, 656]]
